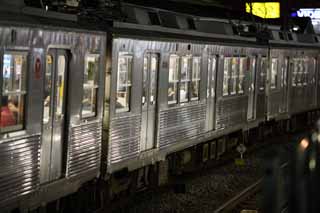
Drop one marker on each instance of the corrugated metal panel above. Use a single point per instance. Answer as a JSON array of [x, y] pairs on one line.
[[124, 138], [181, 123], [84, 150], [20, 167], [231, 112]]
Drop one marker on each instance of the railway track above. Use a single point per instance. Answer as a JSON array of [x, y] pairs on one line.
[[246, 201], [241, 197]]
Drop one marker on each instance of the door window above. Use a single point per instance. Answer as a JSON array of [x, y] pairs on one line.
[[153, 78], [60, 86], [274, 73], [90, 86], [226, 76], [243, 68], [124, 82], [47, 90], [13, 91], [211, 78]]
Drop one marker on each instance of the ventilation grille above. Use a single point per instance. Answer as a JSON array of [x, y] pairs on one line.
[[84, 149], [19, 168]]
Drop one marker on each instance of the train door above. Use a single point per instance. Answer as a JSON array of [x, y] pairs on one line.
[[284, 85], [211, 95], [149, 101], [311, 82], [54, 110], [251, 115]]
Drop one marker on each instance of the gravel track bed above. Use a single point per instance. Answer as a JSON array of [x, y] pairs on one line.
[[207, 189]]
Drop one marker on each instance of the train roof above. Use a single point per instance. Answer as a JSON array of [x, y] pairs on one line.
[[34, 17], [157, 23]]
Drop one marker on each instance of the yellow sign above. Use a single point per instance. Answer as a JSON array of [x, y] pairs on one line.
[[49, 59], [264, 9]]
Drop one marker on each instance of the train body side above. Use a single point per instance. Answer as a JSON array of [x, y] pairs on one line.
[[55, 145]]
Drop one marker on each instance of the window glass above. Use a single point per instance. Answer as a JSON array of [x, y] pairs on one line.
[[295, 72], [226, 68], [211, 78], [14, 91], [185, 78], [284, 71], [47, 90], [243, 68], [300, 72], [274, 73], [153, 78], [173, 79], [124, 82], [234, 75], [305, 72], [60, 85], [195, 84], [263, 71], [313, 70], [90, 86], [145, 79]]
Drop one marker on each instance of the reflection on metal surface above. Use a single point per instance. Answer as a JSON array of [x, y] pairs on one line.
[[181, 123], [19, 168], [124, 138], [84, 149]]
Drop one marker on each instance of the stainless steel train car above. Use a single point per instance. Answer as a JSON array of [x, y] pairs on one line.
[[178, 81], [155, 93], [52, 86]]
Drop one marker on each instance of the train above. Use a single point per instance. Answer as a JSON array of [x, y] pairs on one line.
[[96, 109]]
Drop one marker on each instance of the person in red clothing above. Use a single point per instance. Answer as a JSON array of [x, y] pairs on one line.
[[7, 117]]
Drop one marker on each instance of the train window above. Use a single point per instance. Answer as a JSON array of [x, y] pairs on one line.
[[264, 65], [173, 79], [212, 63], [153, 77], [284, 73], [185, 78], [13, 91], [295, 72], [234, 76], [226, 75], [305, 72], [124, 84], [313, 70], [300, 72], [243, 68], [195, 84], [60, 85], [90, 86], [274, 73], [47, 90]]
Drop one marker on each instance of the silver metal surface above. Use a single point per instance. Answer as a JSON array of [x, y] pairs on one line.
[[84, 150], [124, 138], [178, 123], [20, 167]]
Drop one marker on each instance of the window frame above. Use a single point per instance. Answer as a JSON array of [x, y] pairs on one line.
[[263, 74], [127, 85], [189, 80], [175, 81], [95, 86], [233, 79], [198, 80], [22, 93], [276, 76], [226, 79]]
